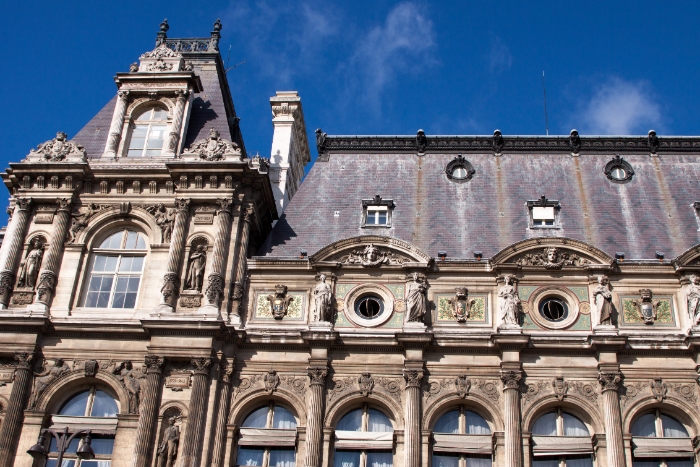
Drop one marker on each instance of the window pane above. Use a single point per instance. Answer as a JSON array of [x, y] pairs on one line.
[[125, 292], [125, 264], [131, 240], [105, 263], [372, 217], [257, 419], [448, 423], [380, 459], [545, 462], [346, 459], [72, 447], [283, 419], [95, 463], [442, 460], [679, 462], [249, 456], [75, 407], [114, 241], [476, 425], [673, 428], [382, 218], [378, 422], [351, 421], [104, 405], [138, 140], [137, 264], [546, 425], [645, 463], [145, 116], [141, 243], [98, 292], [64, 463], [102, 445], [478, 461], [155, 140], [579, 461], [574, 427], [282, 458], [159, 114], [644, 426]]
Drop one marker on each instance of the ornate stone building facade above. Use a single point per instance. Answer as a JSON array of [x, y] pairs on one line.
[[420, 300]]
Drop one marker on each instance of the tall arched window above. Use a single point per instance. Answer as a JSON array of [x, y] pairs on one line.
[[364, 438], [115, 271], [92, 409], [268, 438], [462, 438], [561, 440], [661, 440], [149, 132]]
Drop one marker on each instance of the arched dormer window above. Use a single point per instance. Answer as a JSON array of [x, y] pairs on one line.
[[660, 440], [268, 438], [561, 440], [462, 438], [364, 438], [148, 133], [93, 409], [116, 267]]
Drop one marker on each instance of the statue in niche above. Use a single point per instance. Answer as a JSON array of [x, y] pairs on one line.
[[47, 377], [29, 267], [324, 300], [195, 271], [415, 298], [603, 300], [167, 451], [693, 298], [130, 379], [510, 304]]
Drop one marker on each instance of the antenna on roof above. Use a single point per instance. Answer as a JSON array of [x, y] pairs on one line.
[[546, 120], [228, 68]]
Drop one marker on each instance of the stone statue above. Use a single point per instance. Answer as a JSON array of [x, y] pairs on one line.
[[129, 377], [81, 219], [47, 377], [415, 299], [165, 218], [603, 300], [29, 267], [324, 300], [510, 304], [167, 451], [134, 67], [694, 300], [195, 273]]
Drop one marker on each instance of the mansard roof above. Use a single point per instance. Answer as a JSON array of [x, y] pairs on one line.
[[652, 212]]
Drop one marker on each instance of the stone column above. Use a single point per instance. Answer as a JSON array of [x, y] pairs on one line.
[[176, 127], [49, 268], [171, 280], [217, 459], [239, 279], [513, 430], [14, 416], [613, 420], [314, 417], [198, 397], [215, 288], [117, 126], [412, 438], [148, 411], [11, 246]]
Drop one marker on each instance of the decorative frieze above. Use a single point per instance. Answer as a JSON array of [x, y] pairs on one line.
[[552, 258]]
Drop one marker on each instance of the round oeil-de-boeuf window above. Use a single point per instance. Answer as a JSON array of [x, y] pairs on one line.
[[369, 307], [553, 309]]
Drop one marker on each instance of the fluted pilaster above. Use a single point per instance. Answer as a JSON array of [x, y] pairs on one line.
[[198, 397], [248, 216], [314, 418], [14, 237], [412, 436], [171, 280], [117, 125], [49, 271], [613, 420], [176, 127], [511, 412], [14, 415], [148, 412], [217, 459], [215, 286]]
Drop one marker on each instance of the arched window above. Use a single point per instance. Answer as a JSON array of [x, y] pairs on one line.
[[661, 440], [268, 438], [462, 438], [93, 409], [148, 134], [364, 438], [561, 440], [115, 271]]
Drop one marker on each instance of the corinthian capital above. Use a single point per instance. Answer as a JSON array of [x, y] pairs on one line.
[[249, 215], [511, 379], [64, 204], [24, 360], [609, 381], [24, 204], [154, 363], [201, 365], [182, 204], [317, 375], [414, 378]]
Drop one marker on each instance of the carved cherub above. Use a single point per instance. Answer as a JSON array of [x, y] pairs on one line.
[[646, 308]]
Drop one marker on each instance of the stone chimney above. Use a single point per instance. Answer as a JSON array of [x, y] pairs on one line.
[[290, 147]]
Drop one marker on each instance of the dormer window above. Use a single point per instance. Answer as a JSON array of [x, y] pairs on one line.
[[544, 213], [618, 170], [148, 134], [376, 212]]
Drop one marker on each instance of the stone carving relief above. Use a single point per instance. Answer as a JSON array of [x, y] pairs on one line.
[[631, 391], [245, 383], [57, 149], [552, 258], [162, 51], [271, 380], [511, 379], [489, 388], [560, 387], [609, 381], [90, 367], [510, 303], [46, 377], [462, 385], [532, 390], [82, 218], [575, 142], [686, 391], [461, 304], [421, 141], [603, 300], [338, 386], [129, 377], [498, 141], [391, 386], [165, 219], [366, 383], [195, 266], [279, 302], [167, 450], [586, 389], [416, 300], [646, 308], [297, 385], [658, 389], [693, 300], [213, 148], [372, 256], [323, 298]]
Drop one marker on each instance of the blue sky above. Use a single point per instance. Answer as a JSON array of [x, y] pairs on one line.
[[372, 67]]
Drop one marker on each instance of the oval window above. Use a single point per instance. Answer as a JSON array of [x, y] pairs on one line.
[[553, 309], [618, 173], [459, 173], [369, 307]]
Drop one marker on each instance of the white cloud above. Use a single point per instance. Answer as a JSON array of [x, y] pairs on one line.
[[500, 58], [620, 107]]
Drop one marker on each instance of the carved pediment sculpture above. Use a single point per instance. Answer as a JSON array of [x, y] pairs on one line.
[[82, 218], [366, 383], [57, 150], [165, 219], [214, 148], [46, 377], [461, 304], [372, 256], [552, 258], [279, 302], [646, 308], [160, 59]]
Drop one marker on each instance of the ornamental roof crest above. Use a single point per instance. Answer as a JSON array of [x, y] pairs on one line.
[[214, 148], [57, 150], [162, 51]]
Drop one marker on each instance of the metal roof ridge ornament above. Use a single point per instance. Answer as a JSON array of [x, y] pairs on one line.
[[59, 149]]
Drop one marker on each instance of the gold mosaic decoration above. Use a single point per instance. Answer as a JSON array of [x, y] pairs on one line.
[[263, 308], [477, 312], [400, 306], [584, 308], [341, 290], [664, 312], [396, 289], [525, 291]]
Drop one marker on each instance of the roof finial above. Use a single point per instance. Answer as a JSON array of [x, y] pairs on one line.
[[161, 36], [215, 36]]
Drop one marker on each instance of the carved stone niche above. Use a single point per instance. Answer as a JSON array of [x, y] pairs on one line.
[[191, 296], [169, 430], [28, 272]]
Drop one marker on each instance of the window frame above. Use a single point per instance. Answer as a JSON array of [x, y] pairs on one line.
[[461, 431], [377, 205], [543, 202], [134, 122], [659, 434], [268, 426], [561, 433], [365, 429]]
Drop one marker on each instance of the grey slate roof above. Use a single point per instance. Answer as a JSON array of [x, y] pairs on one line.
[[653, 212], [93, 136]]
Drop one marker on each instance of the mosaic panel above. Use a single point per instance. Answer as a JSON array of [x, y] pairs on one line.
[[396, 321], [664, 312], [341, 290], [396, 289], [580, 292], [263, 309], [583, 323], [477, 312], [525, 291], [341, 321], [527, 323]]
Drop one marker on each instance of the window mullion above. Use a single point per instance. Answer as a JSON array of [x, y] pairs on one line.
[[90, 401]]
